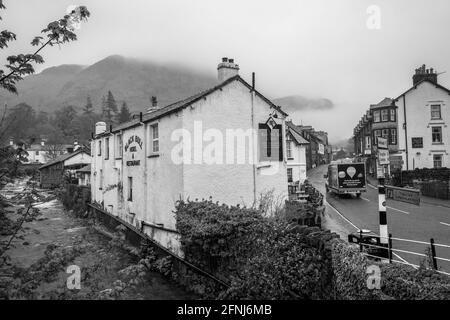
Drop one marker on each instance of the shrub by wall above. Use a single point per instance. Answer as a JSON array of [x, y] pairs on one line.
[[75, 197], [398, 281], [263, 258]]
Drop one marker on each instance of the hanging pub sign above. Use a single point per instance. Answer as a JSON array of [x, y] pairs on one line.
[[382, 143], [383, 156]]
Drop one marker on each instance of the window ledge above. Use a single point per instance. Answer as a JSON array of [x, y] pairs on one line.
[[437, 143], [153, 155]]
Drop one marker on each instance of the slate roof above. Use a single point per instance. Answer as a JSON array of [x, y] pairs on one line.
[[419, 83], [63, 158], [386, 102], [185, 103], [85, 169], [296, 133]]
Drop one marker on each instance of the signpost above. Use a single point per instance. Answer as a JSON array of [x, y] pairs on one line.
[[383, 159], [408, 195]]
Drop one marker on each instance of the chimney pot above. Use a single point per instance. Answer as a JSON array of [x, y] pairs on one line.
[[224, 59], [154, 101], [231, 60]]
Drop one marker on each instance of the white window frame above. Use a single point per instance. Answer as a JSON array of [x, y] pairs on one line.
[[290, 174], [376, 114], [99, 147], [392, 115], [152, 139], [433, 111], [441, 160], [440, 135], [289, 148], [106, 148], [384, 115], [393, 137], [119, 146]]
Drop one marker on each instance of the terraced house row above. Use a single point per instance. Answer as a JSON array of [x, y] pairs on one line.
[[415, 123]]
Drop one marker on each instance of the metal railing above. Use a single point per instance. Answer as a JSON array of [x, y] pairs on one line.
[[389, 251]]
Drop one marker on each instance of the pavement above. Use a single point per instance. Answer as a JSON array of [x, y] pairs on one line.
[[431, 219]]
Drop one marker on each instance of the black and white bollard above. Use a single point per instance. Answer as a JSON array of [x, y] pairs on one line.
[[384, 235]]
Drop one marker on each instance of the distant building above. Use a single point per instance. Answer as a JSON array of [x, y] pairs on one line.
[[416, 125], [84, 175], [41, 153], [53, 173], [225, 143], [296, 154], [318, 151]]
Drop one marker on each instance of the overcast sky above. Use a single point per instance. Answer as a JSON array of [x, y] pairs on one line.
[[317, 49]]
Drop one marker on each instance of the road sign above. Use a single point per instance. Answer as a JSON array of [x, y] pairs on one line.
[[403, 194], [382, 143], [383, 156]]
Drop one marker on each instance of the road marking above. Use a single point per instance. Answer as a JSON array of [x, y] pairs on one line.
[[397, 210], [343, 217], [372, 186], [445, 224], [365, 199]]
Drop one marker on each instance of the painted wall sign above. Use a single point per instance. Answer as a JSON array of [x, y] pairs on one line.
[[133, 139], [132, 163], [403, 194]]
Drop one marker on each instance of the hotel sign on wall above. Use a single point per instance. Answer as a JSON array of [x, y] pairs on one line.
[[132, 147]]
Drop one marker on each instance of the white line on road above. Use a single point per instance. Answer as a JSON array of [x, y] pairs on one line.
[[372, 186], [397, 210], [343, 217], [365, 199], [445, 224]]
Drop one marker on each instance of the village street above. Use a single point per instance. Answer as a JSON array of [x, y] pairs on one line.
[[56, 239], [406, 221]]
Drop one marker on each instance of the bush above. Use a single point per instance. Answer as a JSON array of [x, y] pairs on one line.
[[266, 258], [75, 197]]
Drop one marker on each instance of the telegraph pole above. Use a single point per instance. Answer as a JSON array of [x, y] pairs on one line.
[[383, 159]]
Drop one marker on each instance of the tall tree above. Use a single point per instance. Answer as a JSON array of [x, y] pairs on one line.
[[124, 114], [109, 108], [57, 33], [64, 119], [88, 108]]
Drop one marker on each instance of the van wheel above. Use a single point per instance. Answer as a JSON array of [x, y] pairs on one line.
[[358, 195]]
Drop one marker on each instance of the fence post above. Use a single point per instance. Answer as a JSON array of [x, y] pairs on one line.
[[433, 254], [390, 248], [360, 241]]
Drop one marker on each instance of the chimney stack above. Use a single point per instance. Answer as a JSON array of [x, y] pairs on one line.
[[423, 73], [227, 69], [100, 127], [154, 105]]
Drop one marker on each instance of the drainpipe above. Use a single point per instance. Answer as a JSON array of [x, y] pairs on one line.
[[255, 140], [406, 132]]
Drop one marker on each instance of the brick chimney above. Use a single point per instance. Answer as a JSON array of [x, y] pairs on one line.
[[227, 69], [422, 73]]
